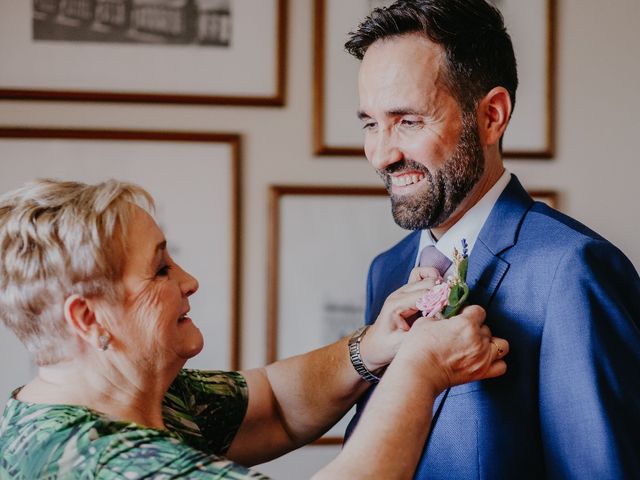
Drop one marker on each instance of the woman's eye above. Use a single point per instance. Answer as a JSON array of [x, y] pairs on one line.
[[164, 271]]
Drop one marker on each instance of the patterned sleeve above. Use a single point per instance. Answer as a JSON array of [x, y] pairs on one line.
[[205, 408], [162, 457]]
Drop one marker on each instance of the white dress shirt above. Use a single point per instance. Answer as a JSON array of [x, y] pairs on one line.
[[468, 227]]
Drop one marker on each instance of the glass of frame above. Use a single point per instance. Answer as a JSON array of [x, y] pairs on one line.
[[194, 180], [531, 24], [321, 242], [182, 51]]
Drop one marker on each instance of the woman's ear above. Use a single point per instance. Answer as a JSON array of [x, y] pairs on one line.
[[81, 319], [494, 112]]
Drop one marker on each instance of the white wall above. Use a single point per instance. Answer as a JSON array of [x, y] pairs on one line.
[[595, 168]]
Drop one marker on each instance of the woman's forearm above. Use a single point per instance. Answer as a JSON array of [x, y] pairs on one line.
[[294, 401], [316, 389], [392, 430]]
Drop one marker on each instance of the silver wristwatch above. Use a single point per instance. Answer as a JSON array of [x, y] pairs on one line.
[[356, 358]]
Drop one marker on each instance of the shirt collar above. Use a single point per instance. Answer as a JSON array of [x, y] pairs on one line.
[[469, 226]]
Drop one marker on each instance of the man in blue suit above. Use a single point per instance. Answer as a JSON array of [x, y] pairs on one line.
[[437, 87]]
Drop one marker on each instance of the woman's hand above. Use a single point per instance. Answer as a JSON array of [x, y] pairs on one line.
[[383, 339], [458, 350]]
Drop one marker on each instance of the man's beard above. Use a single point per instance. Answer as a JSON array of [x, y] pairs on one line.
[[445, 189]]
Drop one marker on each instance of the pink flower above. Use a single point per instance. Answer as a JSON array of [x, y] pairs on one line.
[[434, 301]]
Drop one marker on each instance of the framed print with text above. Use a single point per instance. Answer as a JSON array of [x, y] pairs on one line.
[[321, 242], [338, 132], [194, 180], [178, 51]]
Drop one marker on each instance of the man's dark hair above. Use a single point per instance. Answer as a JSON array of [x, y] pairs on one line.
[[478, 50]]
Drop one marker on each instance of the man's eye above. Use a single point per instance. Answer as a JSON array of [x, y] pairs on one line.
[[368, 125], [164, 271], [411, 123]]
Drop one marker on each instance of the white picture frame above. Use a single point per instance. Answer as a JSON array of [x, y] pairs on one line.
[[194, 179]]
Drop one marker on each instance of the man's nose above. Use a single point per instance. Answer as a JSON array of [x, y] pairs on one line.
[[385, 151]]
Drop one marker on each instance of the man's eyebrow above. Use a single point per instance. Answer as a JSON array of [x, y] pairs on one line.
[[396, 112]]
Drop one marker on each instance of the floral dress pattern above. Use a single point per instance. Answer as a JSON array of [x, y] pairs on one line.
[[202, 412]]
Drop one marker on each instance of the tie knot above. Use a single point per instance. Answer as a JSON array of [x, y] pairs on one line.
[[432, 257]]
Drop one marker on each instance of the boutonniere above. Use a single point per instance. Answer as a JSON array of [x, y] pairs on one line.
[[445, 299]]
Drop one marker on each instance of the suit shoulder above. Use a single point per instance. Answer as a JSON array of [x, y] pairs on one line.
[[556, 235], [400, 250], [541, 215]]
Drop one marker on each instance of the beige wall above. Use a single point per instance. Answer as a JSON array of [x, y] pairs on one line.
[[595, 169]]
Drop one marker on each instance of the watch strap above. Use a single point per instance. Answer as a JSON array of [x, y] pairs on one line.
[[356, 357]]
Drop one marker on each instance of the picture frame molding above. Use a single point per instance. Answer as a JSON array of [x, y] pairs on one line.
[[278, 99]]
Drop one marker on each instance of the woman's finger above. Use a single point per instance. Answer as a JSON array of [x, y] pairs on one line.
[[497, 368], [424, 284], [499, 348], [420, 273]]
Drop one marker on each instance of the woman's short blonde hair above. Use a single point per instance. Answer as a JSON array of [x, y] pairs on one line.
[[59, 238]]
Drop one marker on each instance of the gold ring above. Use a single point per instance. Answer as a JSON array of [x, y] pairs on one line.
[[499, 350]]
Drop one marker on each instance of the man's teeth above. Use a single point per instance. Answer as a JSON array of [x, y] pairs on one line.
[[404, 180]]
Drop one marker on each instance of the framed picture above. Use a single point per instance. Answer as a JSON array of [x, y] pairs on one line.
[[194, 179], [549, 197], [337, 131], [321, 242], [178, 51]]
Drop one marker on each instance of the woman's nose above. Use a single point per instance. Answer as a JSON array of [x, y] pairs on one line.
[[188, 283]]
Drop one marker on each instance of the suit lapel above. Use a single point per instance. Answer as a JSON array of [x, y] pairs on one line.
[[498, 234], [397, 271], [486, 267]]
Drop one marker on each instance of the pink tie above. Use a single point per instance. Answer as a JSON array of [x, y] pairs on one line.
[[432, 257]]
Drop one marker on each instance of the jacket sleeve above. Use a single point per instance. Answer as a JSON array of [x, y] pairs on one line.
[[369, 318], [589, 365]]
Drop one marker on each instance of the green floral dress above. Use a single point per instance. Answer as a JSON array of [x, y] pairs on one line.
[[202, 411]]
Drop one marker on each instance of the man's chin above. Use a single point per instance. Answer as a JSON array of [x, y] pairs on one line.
[[412, 217]]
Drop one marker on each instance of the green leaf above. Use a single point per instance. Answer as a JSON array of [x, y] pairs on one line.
[[457, 298], [462, 270]]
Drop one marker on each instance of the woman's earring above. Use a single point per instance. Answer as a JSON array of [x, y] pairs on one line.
[[104, 341]]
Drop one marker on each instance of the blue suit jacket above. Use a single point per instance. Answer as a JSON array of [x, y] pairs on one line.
[[568, 302]]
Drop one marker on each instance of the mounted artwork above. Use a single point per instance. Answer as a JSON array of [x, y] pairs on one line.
[[176, 51], [338, 132]]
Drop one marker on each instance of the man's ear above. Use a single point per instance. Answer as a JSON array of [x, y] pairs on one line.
[[81, 319], [494, 112]]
